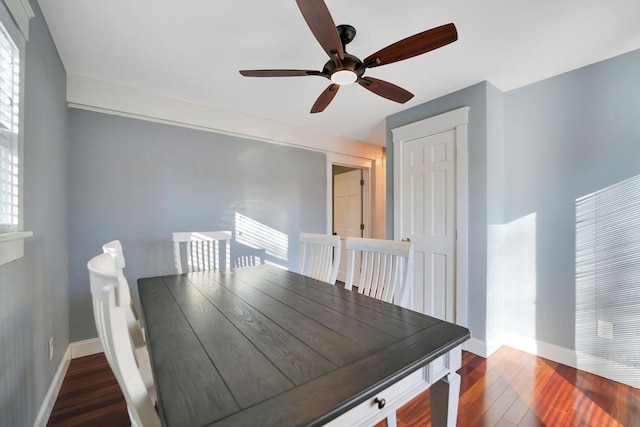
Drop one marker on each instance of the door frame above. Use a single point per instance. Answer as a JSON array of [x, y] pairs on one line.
[[367, 166], [456, 120]]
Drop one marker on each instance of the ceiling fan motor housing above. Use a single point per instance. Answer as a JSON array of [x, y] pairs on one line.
[[350, 62]]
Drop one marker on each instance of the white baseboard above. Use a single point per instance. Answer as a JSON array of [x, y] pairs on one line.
[[86, 348], [476, 346], [540, 348], [485, 348], [528, 345], [602, 367], [74, 350], [495, 343], [52, 394]]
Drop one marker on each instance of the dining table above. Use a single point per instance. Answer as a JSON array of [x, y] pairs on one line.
[[264, 346]]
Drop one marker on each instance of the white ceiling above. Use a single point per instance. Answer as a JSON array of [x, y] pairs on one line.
[[192, 50]]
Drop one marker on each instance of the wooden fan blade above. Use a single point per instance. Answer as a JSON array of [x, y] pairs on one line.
[[415, 45], [279, 73], [319, 20], [385, 89], [325, 98]]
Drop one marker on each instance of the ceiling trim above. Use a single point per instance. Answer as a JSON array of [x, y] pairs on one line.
[[21, 12], [110, 98]]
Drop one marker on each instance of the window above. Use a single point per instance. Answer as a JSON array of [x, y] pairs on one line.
[[14, 31], [9, 132]]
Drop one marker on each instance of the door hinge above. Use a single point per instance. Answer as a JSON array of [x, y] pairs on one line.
[[362, 182], [361, 226]]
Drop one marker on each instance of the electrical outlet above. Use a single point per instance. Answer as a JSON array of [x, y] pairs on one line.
[[50, 349], [605, 329]]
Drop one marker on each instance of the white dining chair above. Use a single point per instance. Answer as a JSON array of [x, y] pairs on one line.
[[319, 256], [385, 269], [136, 332], [111, 323], [203, 250], [246, 256], [385, 273]]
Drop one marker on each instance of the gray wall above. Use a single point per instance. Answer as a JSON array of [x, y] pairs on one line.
[[532, 152], [495, 212], [139, 181], [567, 137], [475, 97], [34, 289]]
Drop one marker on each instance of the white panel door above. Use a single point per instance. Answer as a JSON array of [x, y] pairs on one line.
[[347, 211], [429, 220]]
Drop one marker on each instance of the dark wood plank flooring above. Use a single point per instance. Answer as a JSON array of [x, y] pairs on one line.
[[510, 388], [90, 396]]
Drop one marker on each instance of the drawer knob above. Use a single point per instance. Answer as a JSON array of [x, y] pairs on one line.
[[380, 402]]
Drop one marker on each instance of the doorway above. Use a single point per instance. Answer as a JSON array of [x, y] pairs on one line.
[[348, 212], [430, 208], [373, 177]]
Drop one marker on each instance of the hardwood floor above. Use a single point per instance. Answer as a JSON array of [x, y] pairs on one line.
[[510, 388], [90, 396]]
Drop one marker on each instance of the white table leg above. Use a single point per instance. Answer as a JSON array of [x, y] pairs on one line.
[[391, 419], [444, 401]]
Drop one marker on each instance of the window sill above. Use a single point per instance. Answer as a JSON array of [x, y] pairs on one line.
[[12, 245]]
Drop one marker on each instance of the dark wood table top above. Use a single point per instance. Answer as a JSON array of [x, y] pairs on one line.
[[264, 346]]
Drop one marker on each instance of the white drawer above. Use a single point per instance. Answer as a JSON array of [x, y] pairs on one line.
[[367, 413]]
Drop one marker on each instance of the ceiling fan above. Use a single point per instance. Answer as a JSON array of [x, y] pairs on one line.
[[344, 68]]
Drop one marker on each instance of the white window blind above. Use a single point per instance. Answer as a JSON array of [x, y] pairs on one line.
[[9, 114]]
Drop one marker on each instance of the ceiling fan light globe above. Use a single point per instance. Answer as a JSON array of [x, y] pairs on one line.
[[344, 77]]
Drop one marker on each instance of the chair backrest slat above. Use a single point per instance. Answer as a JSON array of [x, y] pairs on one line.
[[202, 255], [320, 256], [385, 269], [203, 250]]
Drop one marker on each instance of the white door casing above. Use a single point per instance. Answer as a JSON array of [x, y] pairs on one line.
[[430, 207], [347, 211]]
